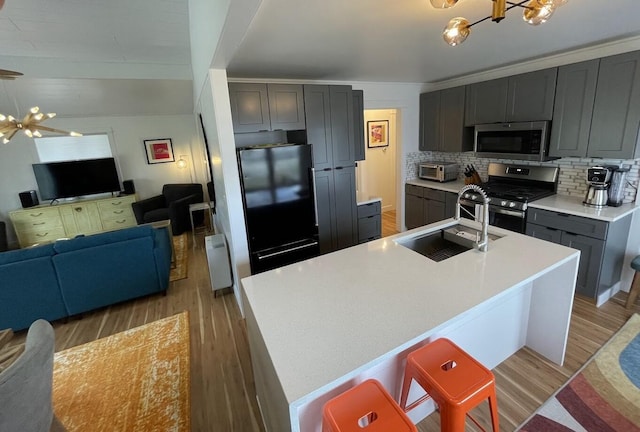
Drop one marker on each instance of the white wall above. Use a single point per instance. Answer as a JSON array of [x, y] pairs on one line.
[[377, 173], [216, 113], [127, 135]]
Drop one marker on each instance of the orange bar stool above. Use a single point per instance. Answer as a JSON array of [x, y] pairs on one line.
[[366, 407], [635, 284], [456, 381]]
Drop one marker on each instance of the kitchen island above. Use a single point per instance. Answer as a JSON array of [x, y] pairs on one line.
[[319, 327]]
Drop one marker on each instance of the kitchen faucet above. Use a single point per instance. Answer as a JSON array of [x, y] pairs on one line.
[[483, 243]]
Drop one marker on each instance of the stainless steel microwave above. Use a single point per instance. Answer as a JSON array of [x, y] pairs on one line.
[[521, 141]]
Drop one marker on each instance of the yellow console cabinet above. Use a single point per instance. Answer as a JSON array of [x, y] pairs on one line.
[[46, 223]]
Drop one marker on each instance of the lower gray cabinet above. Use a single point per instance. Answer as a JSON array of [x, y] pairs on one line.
[[601, 244], [424, 205], [336, 206], [369, 222]]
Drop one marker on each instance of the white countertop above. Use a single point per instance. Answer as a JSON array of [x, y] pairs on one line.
[[573, 205], [451, 186], [558, 203], [323, 318], [362, 198]]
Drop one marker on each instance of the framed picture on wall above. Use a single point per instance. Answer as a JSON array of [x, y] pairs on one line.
[[377, 133], [159, 150]]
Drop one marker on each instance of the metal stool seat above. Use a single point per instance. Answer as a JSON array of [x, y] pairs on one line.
[[456, 381], [366, 407]]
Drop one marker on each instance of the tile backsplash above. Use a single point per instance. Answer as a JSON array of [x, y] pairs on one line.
[[573, 171]]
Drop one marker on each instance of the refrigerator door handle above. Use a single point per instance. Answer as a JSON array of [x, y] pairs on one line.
[[315, 200], [271, 255]]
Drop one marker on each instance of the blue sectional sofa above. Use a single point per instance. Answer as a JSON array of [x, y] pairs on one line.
[[73, 276]]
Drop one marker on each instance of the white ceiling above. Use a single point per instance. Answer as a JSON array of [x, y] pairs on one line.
[[381, 40], [121, 57]]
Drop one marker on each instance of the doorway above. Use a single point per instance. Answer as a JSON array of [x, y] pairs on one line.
[[377, 174]]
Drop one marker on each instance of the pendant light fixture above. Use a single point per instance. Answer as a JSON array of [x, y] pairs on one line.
[[535, 12], [30, 125]]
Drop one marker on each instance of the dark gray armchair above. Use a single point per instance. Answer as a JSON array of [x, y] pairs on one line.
[[173, 204], [3, 237]]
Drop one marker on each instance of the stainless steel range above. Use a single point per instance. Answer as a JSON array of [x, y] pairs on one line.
[[510, 189]]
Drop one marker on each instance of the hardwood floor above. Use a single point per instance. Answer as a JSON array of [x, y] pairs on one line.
[[222, 393], [389, 223]]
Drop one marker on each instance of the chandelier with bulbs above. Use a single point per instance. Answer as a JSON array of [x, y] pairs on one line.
[[535, 12], [30, 125]]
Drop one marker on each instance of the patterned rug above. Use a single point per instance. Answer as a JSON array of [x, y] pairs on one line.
[[180, 250], [136, 380], [604, 396]]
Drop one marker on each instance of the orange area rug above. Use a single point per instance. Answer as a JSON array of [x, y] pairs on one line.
[[136, 380]]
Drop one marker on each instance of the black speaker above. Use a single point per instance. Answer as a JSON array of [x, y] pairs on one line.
[[29, 199], [129, 188]]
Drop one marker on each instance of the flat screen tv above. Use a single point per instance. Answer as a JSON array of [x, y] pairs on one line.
[[76, 178]]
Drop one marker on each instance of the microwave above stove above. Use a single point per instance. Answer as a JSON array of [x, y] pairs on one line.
[[438, 171], [520, 141]]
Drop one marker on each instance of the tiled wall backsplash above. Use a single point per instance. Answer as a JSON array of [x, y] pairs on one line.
[[573, 171]]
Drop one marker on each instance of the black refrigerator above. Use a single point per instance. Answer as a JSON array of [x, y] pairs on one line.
[[279, 204]]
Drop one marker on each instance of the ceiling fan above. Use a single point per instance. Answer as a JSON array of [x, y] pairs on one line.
[[9, 74]]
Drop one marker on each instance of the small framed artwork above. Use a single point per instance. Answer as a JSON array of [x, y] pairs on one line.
[[377, 133], [159, 150]]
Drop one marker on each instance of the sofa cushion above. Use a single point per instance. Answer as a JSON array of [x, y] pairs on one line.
[[62, 246], [26, 254]]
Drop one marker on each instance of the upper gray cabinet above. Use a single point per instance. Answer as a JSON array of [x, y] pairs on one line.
[[524, 97], [442, 121], [573, 107], [616, 110], [358, 125], [265, 107]]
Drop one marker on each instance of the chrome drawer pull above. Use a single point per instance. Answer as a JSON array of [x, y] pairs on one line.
[[35, 215], [116, 204], [42, 235], [39, 223], [119, 211]]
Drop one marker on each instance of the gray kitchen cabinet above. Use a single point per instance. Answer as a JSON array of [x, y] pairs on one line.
[[601, 244], [573, 108], [486, 102], [258, 107], [369, 221], [249, 107], [442, 121], [424, 205], [616, 110], [531, 96], [337, 211], [286, 106], [524, 97], [359, 149], [329, 121]]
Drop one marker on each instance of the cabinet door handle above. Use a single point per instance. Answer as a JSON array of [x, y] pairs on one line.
[[563, 214], [315, 194], [552, 229], [327, 169], [338, 168]]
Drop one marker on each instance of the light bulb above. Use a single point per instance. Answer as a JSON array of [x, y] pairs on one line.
[[456, 31], [34, 110], [75, 134], [537, 13], [28, 133], [443, 4], [2, 117], [182, 163]]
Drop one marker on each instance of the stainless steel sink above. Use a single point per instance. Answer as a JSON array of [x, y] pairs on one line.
[[443, 244]]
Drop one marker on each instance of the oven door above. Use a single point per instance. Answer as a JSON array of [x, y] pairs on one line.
[[512, 220]]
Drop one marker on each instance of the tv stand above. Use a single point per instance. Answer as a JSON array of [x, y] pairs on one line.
[[47, 223]]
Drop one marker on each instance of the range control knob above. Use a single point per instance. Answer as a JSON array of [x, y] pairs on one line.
[[466, 195], [503, 203], [474, 197], [512, 204]]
